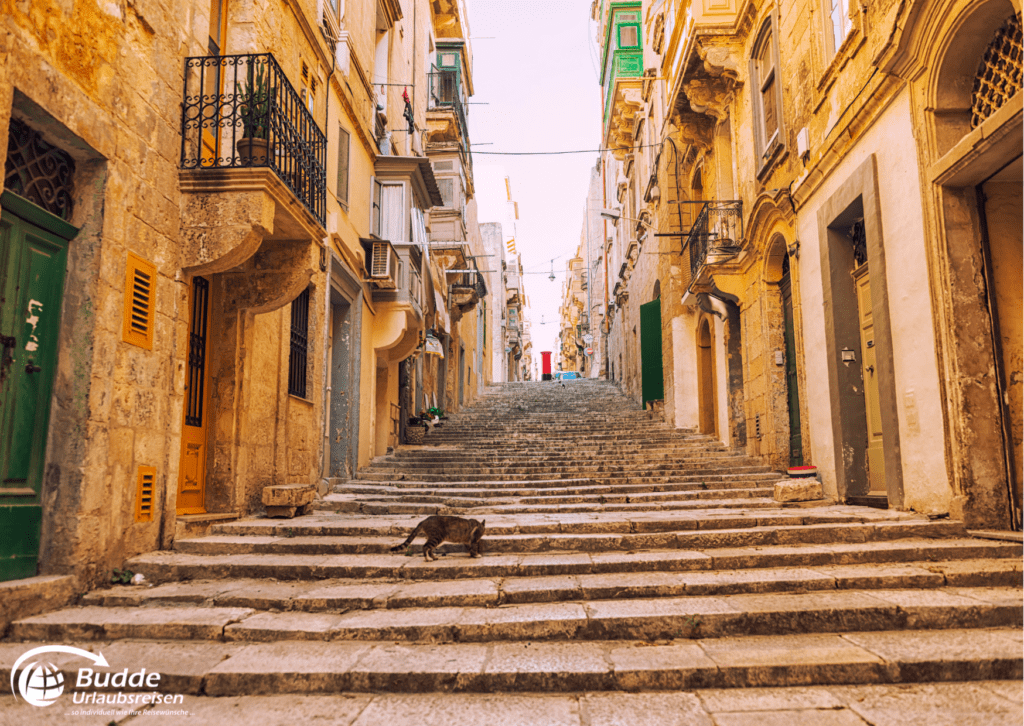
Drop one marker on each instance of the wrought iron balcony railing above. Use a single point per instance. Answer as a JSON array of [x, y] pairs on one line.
[[717, 231], [445, 93], [241, 111]]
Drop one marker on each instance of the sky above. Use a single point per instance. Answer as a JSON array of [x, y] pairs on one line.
[[535, 68]]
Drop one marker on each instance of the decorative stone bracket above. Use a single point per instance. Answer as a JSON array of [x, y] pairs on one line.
[[227, 214]]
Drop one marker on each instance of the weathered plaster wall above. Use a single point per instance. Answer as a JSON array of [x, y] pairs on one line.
[[919, 407]]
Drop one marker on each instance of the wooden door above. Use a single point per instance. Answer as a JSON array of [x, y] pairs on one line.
[[32, 266], [192, 474], [652, 379], [706, 378], [875, 452]]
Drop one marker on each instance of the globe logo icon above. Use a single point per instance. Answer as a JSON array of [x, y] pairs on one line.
[[41, 684]]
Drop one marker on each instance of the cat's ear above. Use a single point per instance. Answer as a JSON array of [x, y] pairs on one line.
[[483, 522]]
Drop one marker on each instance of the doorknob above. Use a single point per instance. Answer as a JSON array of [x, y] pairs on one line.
[[871, 370], [31, 368]]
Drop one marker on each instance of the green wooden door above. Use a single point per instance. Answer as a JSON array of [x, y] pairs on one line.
[[796, 445], [32, 264], [652, 381]]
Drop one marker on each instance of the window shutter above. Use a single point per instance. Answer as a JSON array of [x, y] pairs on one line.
[[144, 495], [343, 146], [139, 302]]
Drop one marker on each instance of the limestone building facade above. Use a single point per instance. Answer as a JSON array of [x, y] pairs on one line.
[[812, 237], [217, 242]]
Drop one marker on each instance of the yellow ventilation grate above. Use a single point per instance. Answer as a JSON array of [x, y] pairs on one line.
[[139, 302], [144, 497]]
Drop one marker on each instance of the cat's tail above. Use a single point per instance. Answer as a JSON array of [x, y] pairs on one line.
[[408, 542]]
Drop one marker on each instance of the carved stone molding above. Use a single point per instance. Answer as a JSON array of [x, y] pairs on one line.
[[626, 102], [710, 97], [693, 129]]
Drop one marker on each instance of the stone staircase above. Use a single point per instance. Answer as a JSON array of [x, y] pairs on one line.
[[621, 556]]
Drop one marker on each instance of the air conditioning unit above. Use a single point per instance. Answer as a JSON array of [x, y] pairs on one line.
[[382, 265]]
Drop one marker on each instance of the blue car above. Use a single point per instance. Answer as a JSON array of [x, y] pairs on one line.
[[565, 375]]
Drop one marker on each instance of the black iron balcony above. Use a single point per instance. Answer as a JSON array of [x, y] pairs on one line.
[[240, 111], [716, 234], [445, 93]]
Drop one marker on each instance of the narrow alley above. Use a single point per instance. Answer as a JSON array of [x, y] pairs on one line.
[[622, 556]]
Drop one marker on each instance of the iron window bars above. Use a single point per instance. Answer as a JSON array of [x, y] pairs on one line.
[[241, 111], [298, 355]]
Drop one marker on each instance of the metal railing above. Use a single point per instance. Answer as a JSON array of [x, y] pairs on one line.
[[446, 93], [240, 111], [718, 229]]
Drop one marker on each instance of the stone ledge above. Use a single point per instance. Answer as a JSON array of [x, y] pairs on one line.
[[287, 500], [34, 595], [798, 490]]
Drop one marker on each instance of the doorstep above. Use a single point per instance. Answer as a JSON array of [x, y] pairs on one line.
[[187, 526]]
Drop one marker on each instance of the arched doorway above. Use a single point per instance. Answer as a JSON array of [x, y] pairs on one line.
[[706, 377], [973, 148]]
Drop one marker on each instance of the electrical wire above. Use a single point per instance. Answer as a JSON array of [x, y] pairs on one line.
[[557, 153]]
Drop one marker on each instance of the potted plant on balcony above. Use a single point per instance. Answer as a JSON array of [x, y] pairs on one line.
[[254, 111]]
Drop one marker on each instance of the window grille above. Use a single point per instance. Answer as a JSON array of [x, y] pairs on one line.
[[859, 239], [195, 374], [999, 74], [298, 355], [37, 171]]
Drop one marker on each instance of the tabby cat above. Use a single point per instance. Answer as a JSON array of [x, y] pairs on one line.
[[439, 528]]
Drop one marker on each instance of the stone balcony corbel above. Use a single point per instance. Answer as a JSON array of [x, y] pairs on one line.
[[626, 100], [227, 214]]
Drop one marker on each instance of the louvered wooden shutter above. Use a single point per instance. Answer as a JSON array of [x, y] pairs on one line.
[[139, 302], [144, 496], [343, 146]]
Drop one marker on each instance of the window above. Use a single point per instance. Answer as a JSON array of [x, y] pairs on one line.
[[144, 494], [838, 21], [447, 188], [299, 345], [393, 214], [343, 150], [139, 302], [766, 92], [629, 36]]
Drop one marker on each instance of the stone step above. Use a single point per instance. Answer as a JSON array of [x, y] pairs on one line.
[[471, 499], [164, 566], [819, 525], [551, 470], [611, 479], [586, 542], [917, 656], [982, 701], [342, 594], [349, 503], [633, 619]]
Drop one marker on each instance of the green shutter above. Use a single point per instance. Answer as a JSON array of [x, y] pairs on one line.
[[653, 382]]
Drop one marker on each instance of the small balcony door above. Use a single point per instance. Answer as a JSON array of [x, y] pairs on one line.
[[214, 81]]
